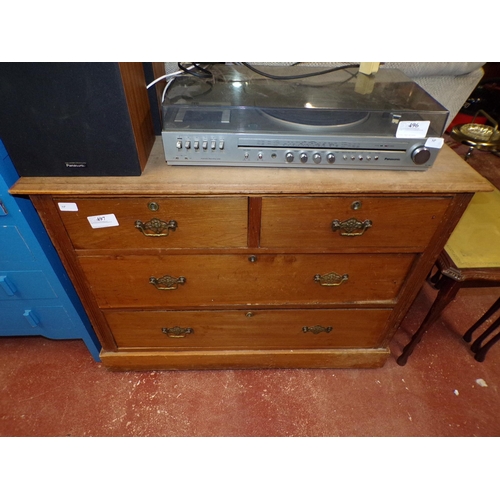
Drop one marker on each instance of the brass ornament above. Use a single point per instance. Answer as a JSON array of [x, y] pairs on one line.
[[351, 227], [167, 282], [156, 227], [317, 329], [331, 279], [177, 332]]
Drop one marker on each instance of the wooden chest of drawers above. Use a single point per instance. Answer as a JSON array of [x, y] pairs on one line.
[[188, 268]]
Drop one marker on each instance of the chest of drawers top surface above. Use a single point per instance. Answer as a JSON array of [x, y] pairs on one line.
[[449, 174]]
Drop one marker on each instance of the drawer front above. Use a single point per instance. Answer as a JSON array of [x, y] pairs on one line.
[[211, 280], [31, 319], [22, 285], [280, 329], [350, 223], [13, 246], [173, 222]]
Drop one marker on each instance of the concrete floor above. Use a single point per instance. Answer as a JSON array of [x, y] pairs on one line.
[[54, 388]]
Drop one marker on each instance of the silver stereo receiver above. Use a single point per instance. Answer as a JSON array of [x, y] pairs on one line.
[[342, 119]]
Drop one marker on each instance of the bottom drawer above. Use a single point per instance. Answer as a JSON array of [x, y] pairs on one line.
[[283, 329], [29, 319]]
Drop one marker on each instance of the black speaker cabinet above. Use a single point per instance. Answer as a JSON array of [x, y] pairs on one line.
[[75, 119]]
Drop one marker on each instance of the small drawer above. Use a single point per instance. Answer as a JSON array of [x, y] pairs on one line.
[[265, 279], [156, 222], [31, 319], [20, 285], [249, 329], [13, 246], [350, 223]]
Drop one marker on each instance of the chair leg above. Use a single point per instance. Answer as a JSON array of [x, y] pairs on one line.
[[481, 353], [476, 345], [447, 292], [492, 310], [433, 279]]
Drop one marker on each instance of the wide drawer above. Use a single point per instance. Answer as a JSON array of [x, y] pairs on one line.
[[210, 280], [283, 329], [155, 222], [350, 223]]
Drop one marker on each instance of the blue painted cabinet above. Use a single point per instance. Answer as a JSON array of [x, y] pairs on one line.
[[36, 294]]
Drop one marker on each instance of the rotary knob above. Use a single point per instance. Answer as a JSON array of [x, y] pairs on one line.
[[289, 157], [420, 155], [303, 157], [330, 158], [316, 158]]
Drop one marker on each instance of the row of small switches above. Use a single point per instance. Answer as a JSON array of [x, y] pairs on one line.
[[204, 145]]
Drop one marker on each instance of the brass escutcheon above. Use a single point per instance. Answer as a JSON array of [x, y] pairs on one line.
[[153, 206], [351, 227], [317, 329], [331, 279], [167, 282], [177, 332], [156, 227]]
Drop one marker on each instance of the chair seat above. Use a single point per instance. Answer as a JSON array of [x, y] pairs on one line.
[[475, 242]]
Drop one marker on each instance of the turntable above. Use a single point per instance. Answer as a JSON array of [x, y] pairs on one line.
[[342, 119]]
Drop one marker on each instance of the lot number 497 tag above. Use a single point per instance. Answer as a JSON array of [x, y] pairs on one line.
[[107, 220]]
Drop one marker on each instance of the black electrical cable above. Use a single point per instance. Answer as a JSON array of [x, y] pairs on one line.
[[296, 77], [203, 70], [201, 73]]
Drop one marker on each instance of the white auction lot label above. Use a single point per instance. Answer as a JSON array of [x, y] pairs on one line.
[[412, 130], [68, 207], [107, 220], [434, 142]]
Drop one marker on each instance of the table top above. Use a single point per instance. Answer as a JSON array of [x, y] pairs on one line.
[[449, 174]]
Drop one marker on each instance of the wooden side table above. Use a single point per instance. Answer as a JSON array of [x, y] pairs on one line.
[[471, 258]]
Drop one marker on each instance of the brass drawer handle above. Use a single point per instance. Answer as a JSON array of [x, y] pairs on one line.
[[351, 227], [331, 279], [177, 332], [167, 282], [156, 227], [317, 329]]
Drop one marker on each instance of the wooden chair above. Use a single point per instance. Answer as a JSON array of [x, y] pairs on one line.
[[471, 258]]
